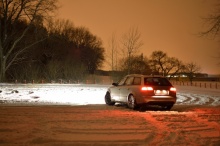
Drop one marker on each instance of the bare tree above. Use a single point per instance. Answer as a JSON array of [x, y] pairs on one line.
[[176, 66], [13, 12], [75, 47], [161, 63], [139, 65], [213, 22], [191, 69], [89, 47], [131, 43], [113, 52], [158, 60], [60, 26]]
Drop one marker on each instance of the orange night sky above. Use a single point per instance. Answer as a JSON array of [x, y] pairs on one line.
[[168, 25]]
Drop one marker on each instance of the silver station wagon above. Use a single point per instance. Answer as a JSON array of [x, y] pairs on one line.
[[140, 90]]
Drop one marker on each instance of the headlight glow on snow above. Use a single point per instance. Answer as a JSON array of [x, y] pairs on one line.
[[73, 94], [77, 95]]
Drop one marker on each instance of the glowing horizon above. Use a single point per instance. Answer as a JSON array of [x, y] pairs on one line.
[[170, 26]]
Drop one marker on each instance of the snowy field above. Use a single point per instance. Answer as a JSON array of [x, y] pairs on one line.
[[194, 120], [83, 94], [74, 94]]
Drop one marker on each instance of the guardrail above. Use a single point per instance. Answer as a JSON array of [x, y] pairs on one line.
[[211, 85]]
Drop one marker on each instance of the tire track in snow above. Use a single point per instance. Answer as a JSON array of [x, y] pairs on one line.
[[184, 128], [190, 99], [107, 125], [76, 126], [163, 132]]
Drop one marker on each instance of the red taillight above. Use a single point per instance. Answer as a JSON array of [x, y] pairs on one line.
[[173, 89], [147, 89]]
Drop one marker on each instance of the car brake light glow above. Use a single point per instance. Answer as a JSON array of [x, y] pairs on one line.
[[146, 88], [172, 89]]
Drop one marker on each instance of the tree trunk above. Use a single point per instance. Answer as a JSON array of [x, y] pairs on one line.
[[129, 62], [2, 71]]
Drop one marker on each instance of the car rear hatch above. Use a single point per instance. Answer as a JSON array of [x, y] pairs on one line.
[[157, 86]]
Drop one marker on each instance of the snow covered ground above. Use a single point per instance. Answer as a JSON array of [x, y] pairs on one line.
[[194, 119], [83, 94], [74, 94]]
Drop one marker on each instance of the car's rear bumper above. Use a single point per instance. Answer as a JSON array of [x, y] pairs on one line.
[[157, 100]]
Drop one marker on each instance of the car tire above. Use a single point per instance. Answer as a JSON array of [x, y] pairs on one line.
[[108, 100], [131, 102], [167, 107]]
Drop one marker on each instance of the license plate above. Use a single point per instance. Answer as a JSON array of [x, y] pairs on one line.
[[161, 92]]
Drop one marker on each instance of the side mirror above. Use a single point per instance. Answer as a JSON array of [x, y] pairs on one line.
[[115, 84]]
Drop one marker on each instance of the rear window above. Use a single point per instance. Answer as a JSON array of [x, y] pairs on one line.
[[155, 81]]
